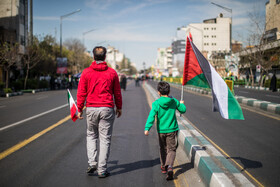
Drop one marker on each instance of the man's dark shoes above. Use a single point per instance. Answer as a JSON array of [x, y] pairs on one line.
[[169, 174], [104, 174], [91, 169]]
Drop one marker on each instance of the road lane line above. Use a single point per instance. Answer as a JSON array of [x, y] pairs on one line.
[[272, 96], [227, 155], [34, 137], [43, 97], [243, 92], [33, 117]]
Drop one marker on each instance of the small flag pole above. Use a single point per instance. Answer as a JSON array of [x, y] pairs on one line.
[[182, 93], [182, 96]]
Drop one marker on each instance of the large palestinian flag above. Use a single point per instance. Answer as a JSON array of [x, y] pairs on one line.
[[73, 107], [199, 72]]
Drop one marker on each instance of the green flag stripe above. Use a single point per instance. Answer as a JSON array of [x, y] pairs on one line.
[[199, 81], [234, 109]]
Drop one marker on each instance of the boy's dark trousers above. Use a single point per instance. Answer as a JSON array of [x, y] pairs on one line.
[[168, 146]]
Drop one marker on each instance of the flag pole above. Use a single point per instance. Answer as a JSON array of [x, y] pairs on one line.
[[182, 93], [182, 96]]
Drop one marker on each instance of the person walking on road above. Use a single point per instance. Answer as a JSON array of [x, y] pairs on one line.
[[99, 86], [165, 110], [123, 82], [273, 83]]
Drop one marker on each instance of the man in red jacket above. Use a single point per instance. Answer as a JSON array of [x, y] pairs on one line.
[[99, 86]]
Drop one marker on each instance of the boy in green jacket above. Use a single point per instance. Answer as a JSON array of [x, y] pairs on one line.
[[165, 110]]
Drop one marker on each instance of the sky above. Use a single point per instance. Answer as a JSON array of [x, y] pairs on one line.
[[136, 28]]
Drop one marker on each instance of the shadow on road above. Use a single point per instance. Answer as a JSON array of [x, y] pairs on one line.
[[182, 169], [247, 163], [132, 166]]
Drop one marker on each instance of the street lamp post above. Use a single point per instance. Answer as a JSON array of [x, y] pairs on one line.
[[61, 18], [84, 33]]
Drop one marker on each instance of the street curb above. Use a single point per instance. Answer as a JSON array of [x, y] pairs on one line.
[[13, 94], [251, 102], [36, 90], [212, 166], [257, 88]]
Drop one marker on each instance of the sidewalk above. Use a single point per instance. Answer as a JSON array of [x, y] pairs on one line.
[[213, 167]]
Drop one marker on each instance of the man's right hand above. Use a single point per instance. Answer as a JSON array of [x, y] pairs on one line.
[[80, 115], [118, 112]]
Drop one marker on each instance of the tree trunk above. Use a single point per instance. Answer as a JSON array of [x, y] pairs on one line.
[[7, 78], [26, 77], [252, 77], [261, 79]]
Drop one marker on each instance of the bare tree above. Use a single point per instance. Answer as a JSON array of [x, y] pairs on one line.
[[9, 56], [76, 57], [32, 57], [259, 50]]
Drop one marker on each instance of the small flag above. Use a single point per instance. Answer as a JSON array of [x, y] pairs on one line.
[[73, 107], [199, 72]]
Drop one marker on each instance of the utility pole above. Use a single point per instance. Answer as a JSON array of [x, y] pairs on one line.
[[31, 22]]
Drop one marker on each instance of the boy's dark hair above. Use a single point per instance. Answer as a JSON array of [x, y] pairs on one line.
[[99, 53], [163, 88]]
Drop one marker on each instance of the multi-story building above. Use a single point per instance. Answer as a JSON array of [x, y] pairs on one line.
[[211, 36], [164, 62], [114, 57], [272, 28], [14, 22], [178, 49], [161, 62], [13, 25]]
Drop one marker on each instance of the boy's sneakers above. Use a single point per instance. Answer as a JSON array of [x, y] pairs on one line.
[[163, 169], [169, 174], [91, 169], [103, 175]]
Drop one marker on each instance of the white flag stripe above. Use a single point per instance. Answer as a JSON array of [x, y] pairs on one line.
[[221, 91]]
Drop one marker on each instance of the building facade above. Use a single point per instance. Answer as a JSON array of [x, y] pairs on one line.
[[178, 49], [272, 19], [13, 26], [14, 22], [211, 36], [114, 57]]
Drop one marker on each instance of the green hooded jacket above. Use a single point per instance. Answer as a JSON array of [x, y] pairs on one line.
[[165, 110]]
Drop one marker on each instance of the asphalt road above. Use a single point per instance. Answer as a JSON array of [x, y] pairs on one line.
[[254, 143], [58, 157], [263, 95]]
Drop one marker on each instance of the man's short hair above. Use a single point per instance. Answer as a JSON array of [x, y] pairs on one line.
[[163, 88], [99, 53]]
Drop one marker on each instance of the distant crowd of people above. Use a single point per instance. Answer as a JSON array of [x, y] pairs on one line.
[[64, 82]]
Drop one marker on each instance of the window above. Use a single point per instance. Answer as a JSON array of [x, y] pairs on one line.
[[22, 40]]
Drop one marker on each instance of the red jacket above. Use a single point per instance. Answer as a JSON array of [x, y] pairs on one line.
[[99, 86]]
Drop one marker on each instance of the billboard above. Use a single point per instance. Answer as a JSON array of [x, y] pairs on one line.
[[61, 65]]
